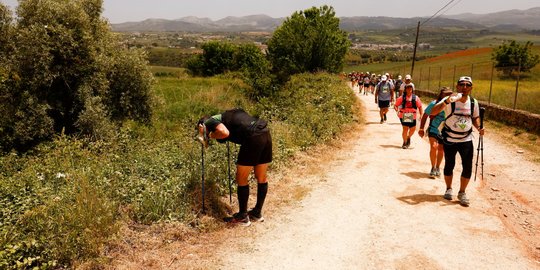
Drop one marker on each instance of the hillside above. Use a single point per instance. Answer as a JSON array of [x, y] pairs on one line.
[[504, 20], [514, 20]]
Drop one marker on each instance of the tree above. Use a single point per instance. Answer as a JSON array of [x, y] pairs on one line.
[[512, 56], [308, 41], [60, 60], [221, 57]]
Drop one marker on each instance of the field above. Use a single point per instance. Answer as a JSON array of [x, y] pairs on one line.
[[489, 85]]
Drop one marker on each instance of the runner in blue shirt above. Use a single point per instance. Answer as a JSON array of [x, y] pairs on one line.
[[436, 152]]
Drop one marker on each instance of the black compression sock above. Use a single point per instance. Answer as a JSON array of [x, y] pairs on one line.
[[243, 197], [262, 189]]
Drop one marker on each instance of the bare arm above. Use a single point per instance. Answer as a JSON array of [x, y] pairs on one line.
[[422, 124], [476, 124], [439, 107], [221, 132]]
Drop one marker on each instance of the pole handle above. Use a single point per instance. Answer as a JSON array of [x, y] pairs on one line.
[[482, 111]]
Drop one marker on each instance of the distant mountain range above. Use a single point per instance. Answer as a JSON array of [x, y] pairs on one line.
[[511, 20]]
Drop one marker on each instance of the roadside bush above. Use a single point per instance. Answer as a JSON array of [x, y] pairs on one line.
[[83, 189], [316, 106], [58, 55]]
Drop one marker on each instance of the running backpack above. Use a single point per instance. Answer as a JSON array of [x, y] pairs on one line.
[[461, 134], [404, 101]]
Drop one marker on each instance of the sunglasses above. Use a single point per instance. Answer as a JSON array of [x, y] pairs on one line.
[[465, 84]]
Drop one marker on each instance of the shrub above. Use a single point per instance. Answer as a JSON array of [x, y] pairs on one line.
[[59, 55]]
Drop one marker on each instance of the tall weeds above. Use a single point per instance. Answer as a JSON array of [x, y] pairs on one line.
[[64, 201]]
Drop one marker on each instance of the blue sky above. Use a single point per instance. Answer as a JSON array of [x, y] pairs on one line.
[[137, 10]]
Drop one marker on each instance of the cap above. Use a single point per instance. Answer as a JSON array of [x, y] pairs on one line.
[[409, 85], [465, 79], [383, 78], [408, 77], [387, 74], [399, 77]]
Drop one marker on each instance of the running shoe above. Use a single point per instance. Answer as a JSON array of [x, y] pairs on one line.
[[437, 172], [382, 120], [408, 142], [463, 200], [404, 146], [433, 173], [238, 219], [448, 194], [255, 215]]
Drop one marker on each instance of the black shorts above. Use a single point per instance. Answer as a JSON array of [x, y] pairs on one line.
[[366, 84], [384, 104], [412, 124], [256, 150], [436, 136]]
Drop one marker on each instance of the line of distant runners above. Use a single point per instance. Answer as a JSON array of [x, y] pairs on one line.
[[452, 117]]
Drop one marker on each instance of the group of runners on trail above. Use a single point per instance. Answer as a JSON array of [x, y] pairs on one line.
[[452, 117], [457, 114]]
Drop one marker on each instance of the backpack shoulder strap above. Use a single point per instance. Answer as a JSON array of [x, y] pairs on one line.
[[473, 101]]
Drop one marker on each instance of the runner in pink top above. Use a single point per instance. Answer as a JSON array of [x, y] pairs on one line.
[[407, 107]]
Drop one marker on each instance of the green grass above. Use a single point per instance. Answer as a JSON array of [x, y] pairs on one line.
[[64, 201]]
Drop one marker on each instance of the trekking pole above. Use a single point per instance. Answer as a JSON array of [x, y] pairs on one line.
[[482, 111], [229, 169], [202, 178], [480, 149]]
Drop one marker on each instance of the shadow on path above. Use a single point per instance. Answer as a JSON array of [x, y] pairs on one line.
[[418, 175], [390, 146], [422, 198]]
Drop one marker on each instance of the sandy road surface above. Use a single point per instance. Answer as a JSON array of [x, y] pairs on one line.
[[376, 208]]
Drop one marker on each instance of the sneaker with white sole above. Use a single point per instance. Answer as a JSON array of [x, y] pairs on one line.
[[463, 200], [255, 215], [433, 173], [241, 219], [448, 194]]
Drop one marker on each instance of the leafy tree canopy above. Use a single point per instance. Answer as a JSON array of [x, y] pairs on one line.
[[511, 57], [308, 41], [63, 70]]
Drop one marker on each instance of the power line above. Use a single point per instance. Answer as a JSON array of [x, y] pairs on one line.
[[445, 6]]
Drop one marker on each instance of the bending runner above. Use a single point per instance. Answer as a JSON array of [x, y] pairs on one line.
[[436, 151], [255, 154]]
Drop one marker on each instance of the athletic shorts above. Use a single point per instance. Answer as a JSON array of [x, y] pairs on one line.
[[412, 124], [255, 150], [384, 104], [366, 84], [436, 136]]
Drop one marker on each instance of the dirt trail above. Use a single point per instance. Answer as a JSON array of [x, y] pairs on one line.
[[376, 208], [366, 205]]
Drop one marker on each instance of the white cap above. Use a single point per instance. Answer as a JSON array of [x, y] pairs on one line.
[[408, 77], [383, 78], [399, 77], [465, 79]]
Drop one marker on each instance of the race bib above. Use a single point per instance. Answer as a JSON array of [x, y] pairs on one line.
[[385, 89], [408, 117]]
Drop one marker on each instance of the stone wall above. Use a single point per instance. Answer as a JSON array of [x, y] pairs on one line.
[[517, 118]]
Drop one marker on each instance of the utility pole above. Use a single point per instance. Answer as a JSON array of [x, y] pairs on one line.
[[415, 45]]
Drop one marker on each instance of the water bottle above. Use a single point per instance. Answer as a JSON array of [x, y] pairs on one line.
[[455, 98]]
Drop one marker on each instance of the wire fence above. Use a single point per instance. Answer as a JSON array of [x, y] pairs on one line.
[[511, 87]]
